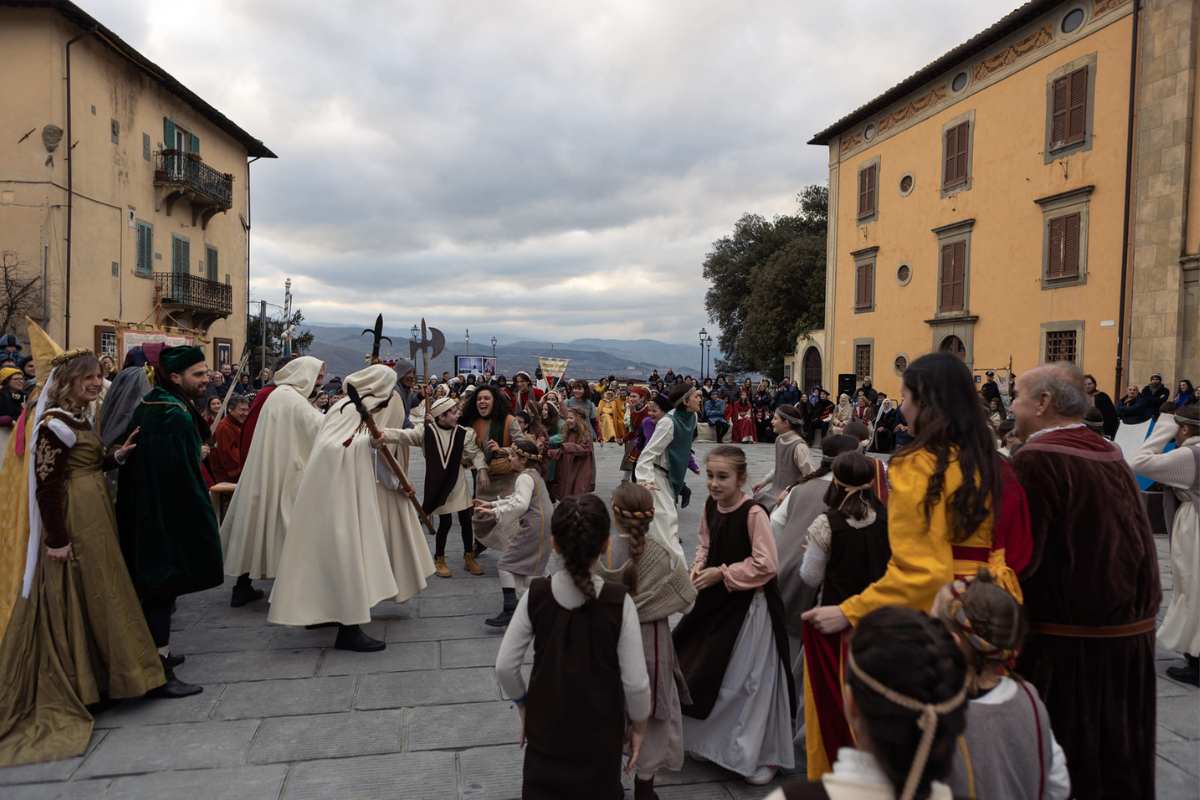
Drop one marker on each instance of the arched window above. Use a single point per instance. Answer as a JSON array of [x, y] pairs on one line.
[[811, 375], [953, 344]]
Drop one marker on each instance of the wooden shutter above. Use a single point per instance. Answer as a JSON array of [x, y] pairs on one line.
[[864, 285], [1069, 98], [194, 146], [1054, 254], [867, 179], [145, 247], [180, 256], [1071, 233], [168, 134], [955, 158], [211, 263], [953, 277]]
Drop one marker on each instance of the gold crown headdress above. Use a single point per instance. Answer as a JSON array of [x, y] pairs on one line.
[[70, 355]]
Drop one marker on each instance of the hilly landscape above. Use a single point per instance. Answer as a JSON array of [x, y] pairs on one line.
[[343, 349]]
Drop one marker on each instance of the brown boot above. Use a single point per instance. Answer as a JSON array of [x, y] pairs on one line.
[[472, 566], [439, 566]]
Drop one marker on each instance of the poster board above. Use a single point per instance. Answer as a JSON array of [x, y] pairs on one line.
[[131, 335], [474, 365], [553, 370]]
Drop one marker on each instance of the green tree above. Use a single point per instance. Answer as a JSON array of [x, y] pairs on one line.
[[767, 283], [301, 342]]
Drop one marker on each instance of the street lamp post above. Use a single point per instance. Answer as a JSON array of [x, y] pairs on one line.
[[413, 333], [493, 348], [708, 340], [703, 334]]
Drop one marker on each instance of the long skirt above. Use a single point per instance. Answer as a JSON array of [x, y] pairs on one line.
[[751, 724], [78, 637], [485, 528], [665, 523], [1180, 629], [662, 746]]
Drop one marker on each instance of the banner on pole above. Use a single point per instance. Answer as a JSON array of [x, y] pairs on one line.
[[553, 369]]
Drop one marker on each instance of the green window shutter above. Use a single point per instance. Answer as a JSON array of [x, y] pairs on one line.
[[194, 147], [211, 259], [145, 248], [168, 134]]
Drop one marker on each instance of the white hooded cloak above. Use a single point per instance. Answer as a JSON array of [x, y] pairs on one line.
[[352, 542], [256, 522]]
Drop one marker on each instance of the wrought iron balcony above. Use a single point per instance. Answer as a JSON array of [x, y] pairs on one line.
[[186, 175], [207, 300]]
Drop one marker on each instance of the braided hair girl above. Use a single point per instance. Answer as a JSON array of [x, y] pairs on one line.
[[633, 509], [580, 530]]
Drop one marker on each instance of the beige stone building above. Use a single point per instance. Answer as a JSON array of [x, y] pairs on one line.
[[1031, 195], [122, 192]]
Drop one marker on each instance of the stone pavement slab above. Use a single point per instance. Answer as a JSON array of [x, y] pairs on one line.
[[491, 773], [409, 776], [473, 652], [79, 790], [304, 738], [456, 726], [159, 748], [149, 711], [277, 698], [440, 629], [49, 770], [427, 688], [396, 658], [251, 665], [205, 784]]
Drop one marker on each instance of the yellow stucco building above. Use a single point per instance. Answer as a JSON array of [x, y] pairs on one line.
[[124, 194], [1024, 198]]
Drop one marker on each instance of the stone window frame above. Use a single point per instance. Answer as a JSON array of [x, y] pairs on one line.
[[896, 358], [874, 215], [912, 185], [1076, 325], [949, 234], [962, 326], [1089, 60], [868, 255], [863, 342], [904, 281], [962, 186], [1073, 201]]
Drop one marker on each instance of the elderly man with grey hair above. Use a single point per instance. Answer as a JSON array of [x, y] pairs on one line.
[[1091, 589]]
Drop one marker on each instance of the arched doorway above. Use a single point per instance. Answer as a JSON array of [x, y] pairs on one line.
[[810, 375], [953, 344]]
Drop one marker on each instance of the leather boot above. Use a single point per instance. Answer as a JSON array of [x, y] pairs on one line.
[[174, 687], [471, 565], [173, 660], [244, 592], [440, 568], [351, 637], [505, 616], [1189, 674], [644, 790]]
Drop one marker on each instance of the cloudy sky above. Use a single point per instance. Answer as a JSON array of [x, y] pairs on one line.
[[548, 170]]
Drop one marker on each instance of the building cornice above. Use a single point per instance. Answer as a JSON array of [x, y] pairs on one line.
[[954, 227], [955, 319], [866, 251], [1070, 194]]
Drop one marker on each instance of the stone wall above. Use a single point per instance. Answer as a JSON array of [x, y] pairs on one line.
[[1164, 128]]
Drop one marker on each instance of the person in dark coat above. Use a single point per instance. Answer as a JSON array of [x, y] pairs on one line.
[[1102, 403], [165, 518], [990, 390], [1091, 590]]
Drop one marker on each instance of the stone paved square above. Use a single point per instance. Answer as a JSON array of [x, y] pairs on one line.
[[285, 717]]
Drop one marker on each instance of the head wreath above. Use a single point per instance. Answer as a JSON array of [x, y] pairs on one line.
[[69, 355]]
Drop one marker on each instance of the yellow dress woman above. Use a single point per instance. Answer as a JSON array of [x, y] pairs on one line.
[[606, 414]]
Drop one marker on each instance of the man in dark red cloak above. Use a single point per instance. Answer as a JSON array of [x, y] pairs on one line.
[[1091, 589]]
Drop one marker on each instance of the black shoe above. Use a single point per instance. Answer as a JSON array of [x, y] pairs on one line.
[[644, 790], [320, 625], [1189, 674], [174, 661], [501, 620], [685, 497], [174, 687], [351, 637], [243, 593]]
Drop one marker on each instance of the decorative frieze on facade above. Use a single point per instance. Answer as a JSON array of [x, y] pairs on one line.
[[913, 108], [1102, 7], [1014, 52]]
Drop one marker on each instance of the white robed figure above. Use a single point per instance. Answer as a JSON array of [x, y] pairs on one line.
[[256, 522], [352, 543]]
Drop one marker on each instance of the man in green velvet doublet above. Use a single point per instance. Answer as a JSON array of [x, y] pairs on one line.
[[167, 525]]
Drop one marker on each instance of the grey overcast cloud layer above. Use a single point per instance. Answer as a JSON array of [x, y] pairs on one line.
[[550, 170]]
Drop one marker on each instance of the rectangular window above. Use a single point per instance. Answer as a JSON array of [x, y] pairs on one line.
[[146, 146], [106, 341], [1061, 346], [868, 190], [953, 277], [864, 285], [1068, 114], [145, 248], [180, 255], [1062, 256], [210, 257], [862, 360], [954, 160]]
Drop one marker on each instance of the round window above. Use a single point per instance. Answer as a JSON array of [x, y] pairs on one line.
[[869, 132], [900, 364], [903, 274], [1072, 20], [960, 82], [906, 184]]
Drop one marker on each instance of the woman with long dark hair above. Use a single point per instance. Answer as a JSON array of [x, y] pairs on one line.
[[1102, 403], [486, 412]]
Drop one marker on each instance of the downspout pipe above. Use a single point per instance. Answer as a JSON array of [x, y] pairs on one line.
[[247, 227], [70, 194], [1129, 153]]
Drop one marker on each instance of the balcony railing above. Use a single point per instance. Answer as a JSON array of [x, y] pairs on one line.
[[210, 298], [187, 172]]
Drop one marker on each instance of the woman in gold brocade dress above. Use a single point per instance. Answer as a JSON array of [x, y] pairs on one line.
[[77, 633]]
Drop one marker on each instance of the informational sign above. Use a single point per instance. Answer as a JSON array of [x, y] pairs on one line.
[[129, 339], [552, 369], [474, 365]]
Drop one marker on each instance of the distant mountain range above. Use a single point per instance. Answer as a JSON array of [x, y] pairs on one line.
[[343, 349]]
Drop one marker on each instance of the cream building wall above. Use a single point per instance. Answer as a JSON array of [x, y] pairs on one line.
[[113, 181]]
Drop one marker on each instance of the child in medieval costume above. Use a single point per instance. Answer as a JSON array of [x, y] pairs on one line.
[[572, 450], [663, 463], [660, 586], [732, 645], [793, 459], [447, 447], [636, 414], [589, 672], [524, 519]]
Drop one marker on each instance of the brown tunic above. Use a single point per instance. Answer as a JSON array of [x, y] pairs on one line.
[[1094, 564]]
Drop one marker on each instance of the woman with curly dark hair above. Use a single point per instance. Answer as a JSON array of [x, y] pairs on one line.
[[486, 412], [589, 670]]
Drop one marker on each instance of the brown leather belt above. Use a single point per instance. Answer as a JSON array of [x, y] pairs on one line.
[[1094, 631]]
